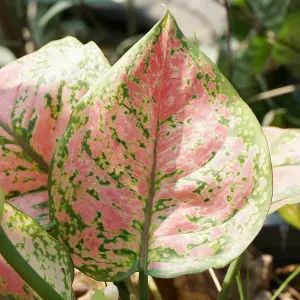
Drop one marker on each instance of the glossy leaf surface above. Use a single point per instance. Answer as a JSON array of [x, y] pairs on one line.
[[38, 93], [162, 166], [40, 260], [285, 156]]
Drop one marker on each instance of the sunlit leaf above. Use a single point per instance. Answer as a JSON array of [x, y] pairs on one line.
[[38, 93], [291, 214], [162, 166], [42, 262], [285, 156]]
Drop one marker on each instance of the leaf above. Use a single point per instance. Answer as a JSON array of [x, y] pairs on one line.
[[12, 286], [270, 12], [291, 214], [108, 293], [285, 156], [41, 261], [1, 203], [250, 58], [39, 92], [276, 118], [162, 166], [286, 50]]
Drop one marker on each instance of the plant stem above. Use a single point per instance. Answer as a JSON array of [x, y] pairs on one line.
[[123, 291], [240, 285], [154, 289], [143, 285], [215, 279], [285, 283], [248, 276], [230, 278]]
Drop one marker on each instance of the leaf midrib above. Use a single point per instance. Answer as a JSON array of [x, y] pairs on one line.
[[36, 157]]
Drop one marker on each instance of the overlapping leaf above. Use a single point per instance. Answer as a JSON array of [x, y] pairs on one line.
[[42, 262], [285, 156], [37, 94], [12, 286], [162, 166]]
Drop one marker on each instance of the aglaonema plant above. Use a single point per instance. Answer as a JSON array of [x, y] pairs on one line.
[[159, 168], [162, 169]]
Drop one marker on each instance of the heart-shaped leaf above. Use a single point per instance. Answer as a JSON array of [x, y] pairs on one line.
[[162, 168], [40, 260], [12, 286], [285, 156], [38, 93]]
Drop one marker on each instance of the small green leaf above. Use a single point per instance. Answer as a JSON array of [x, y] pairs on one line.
[[291, 214], [41, 261]]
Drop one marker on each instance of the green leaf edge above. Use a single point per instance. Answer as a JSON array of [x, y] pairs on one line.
[[1, 203], [25, 271]]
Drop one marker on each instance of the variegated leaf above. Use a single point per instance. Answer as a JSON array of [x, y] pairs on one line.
[[285, 156], [162, 167], [12, 286], [40, 260], [1, 203], [38, 93]]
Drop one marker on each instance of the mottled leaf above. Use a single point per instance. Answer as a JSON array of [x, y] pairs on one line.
[[285, 156], [1, 203], [40, 260], [39, 92], [12, 286], [162, 166]]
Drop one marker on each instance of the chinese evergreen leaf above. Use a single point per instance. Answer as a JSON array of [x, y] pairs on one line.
[[1, 203], [285, 156], [162, 168], [38, 93], [12, 286], [40, 260]]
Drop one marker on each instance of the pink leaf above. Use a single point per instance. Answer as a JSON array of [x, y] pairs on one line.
[[162, 167], [38, 93]]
